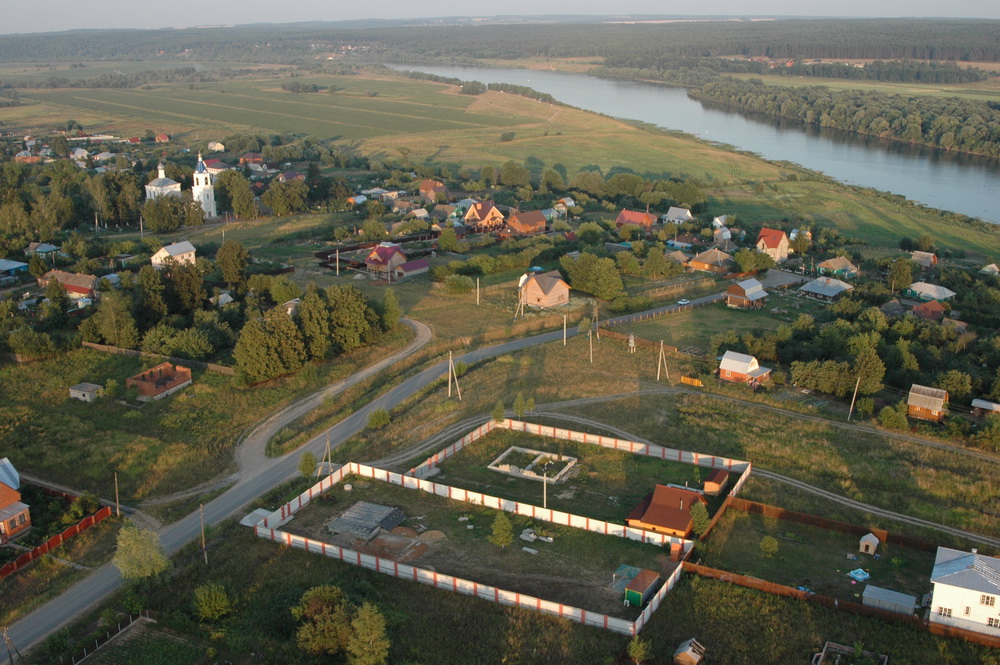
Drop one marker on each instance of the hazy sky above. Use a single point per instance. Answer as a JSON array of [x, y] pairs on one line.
[[52, 15]]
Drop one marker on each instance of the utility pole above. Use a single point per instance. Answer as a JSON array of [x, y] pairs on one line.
[[851, 411], [118, 505], [11, 649], [338, 263], [564, 330], [453, 373], [477, 292], [590, 337], [201, 512], [661, 362], [545, 489], [97, 228]]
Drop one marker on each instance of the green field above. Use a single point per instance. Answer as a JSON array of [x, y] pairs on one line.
[[987, 91]]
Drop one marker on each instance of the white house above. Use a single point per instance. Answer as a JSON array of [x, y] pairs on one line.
[[180, 252], [678, 215], [966, 588]]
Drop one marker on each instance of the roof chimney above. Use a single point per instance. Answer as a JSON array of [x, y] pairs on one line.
[[682, 504]]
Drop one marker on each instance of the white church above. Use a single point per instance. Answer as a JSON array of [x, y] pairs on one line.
[[203, 190]]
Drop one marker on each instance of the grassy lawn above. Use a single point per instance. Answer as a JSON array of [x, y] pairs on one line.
[[608, 485], [812, 557], [165, 446], [574, 569], [981, 90], [149, 645]]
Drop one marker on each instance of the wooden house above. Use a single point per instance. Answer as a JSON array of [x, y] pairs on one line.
[[983, 408], [15, 517], [76, 285], [774, 243], [868, 544], [385, 257], [635, 218], [925, 260], [712, 260], [932, 310], [665, 510], [689, 653], [716, 482], [741, 368], [827, 289], [434, 191], [484, 217], [925, 403], [528, 223], [748, 294], [158, 382], [543, 290]]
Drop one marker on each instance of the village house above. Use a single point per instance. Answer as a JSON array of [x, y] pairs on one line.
[[411, 269], [434, 191], [677, 256], [442, 211], [484, 217], [43, 249], [402, 206], [720, 221], [77, 286], [543, 290], [178, 252], [893, 308], [839, 266], [162, 138], [385, 257], [289, 176], [15, 517], [715, 482], [983, 408], [86, 392], [251, 158], [162, 185], [774, 243], [991, 269], [712, 260], [748, 294], [635, 218], [925, 403], [563, 205], [721, 234], [216, 146], [684, 241], [826, 289], [158, 382], [742, 368], [924, 291], [529, 223], [10, 268], [216, 166], [932, 310], [925, 260], [666, 510], [965, 590], [678, 215]]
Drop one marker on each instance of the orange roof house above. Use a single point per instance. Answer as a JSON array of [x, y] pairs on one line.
[[774, 243], [636, 218], [15, 518], [712, 260], [527, 223], [432, 190], [385, 257], [665, 510], [162, 138], [158, 382], [77, 285], [484, 216], [931, 310]]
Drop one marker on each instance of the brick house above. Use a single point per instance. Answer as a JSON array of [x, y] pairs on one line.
[[748, 294], [433, 191], [741, 368], [665, 510], [15, 517], [636, 218], [158, 382], [484, 217], [712, 260], [527, 223], [925, 403]]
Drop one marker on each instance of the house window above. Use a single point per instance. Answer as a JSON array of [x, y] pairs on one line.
[[728, 373], [993, 623], [944, 611], [22, 518], [12, 524], [987, 600], [968, 610]]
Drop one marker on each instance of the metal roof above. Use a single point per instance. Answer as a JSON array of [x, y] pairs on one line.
[[9, 475], [889, 596], [752, 288], [931, 291], [985, 404], [178, 248], [826, 286], [738, 362], [966, 570], [926, 397]]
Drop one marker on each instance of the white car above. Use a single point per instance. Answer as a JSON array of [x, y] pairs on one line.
[[683, 301]]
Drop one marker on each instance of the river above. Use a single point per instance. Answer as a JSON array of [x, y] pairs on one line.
[[960, 183]]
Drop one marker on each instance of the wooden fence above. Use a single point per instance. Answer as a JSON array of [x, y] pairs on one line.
[[55, 541], [673, 309], [88, 650], [119, 351], [639, 341]]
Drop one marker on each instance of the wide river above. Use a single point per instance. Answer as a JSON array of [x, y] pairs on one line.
[[960, 183]]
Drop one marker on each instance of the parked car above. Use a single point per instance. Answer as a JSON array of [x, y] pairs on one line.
[[683, 301]]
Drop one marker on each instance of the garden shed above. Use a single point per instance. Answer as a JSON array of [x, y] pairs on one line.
[[641, 588], [690, 652], [887, 599], [868, 543], [86, 392], [715, 482]]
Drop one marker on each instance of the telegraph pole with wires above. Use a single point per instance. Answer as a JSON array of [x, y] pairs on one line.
[[327, 461], [661, 363], [453, 374], [11, 649]]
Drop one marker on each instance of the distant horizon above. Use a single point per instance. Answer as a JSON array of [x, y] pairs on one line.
[[59, 16]]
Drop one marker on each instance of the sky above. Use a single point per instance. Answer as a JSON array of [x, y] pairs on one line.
[[58, 15]]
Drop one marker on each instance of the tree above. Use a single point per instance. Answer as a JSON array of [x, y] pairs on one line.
[[503, 531], [268, 347], [957, 383], [699, 518], [900, 274], [894, 417], [139, 554], [639, 650], [391, 312], [513, 174], [307, 464], [211, 602], [498, 412], [164, 213], [519, 406], [185, 287], [925, 243], [325, 617], [287, 197], [36, 266], [801, 244], [233, 259], [448, 241], [233, 192], [353, 322], [152, 305], [114, 321], [378, 418], [314, 322], [368, 644], [871, 370], [607, 282], [768, 547]]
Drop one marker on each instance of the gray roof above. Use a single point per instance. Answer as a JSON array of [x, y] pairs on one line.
[[966, 570], [162, 182], [826, 286], [7, 264], [713, 257], [889, 596], [931, 291], [838, 263], [86, 387], [9, 475], [926, 397], [753, 289], [985, 405], [178, 248]]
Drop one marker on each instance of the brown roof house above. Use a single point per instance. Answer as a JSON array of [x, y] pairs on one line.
[[712, 260], [748, 294], [924, 259], [931, 310], [158, 382], [543, 290], [839, 266], [385, 257], [76, 285], [15, 518], [527, 223], [741, 368], [665, 510], [636, 218], [483, 217], [715, 482], [434, 191], [774, 243], [925, 403]]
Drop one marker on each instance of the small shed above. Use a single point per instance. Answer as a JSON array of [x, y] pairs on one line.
[[887, 599], [86, 392], [641, 588], [868, 544], [690, 652], [715, 482], [983, 407]]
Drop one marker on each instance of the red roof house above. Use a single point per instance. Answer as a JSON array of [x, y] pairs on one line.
[[635, 217], [162, 138], [665, 510], [774, 243], [931, 310], [15, 518], [385, 257], [483, 217], [76, 285]]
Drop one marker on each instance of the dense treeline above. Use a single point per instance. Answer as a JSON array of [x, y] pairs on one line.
[[118, 79], [950, 123], [478, 88]]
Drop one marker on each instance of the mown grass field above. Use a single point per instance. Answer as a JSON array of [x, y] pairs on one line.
[[986, 91]]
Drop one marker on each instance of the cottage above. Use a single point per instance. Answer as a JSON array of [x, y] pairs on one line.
[[840, 266], [484, 217], [983, 408], [825, 288], [715, 482], [158, 382], [742, 368], [931, 310], [43, 249], [216, 166], [216, 146], [893, 308], [10, 268], [991, 269], [442, 211], [251, 158], [385, 257], [434, 191], [924, 291], [15, 517], [677, 256], [357, 199], [162, 138], [86, 392], [641, 588], [684, 241], [774, 243], [527, 223], [720, 221], [411, 268], [965, 590], [666, 510], [402, 206], [925, 403], [543, 290], [889, 600], [748, 294], [77, 286], [924, 259], [868, 544], [678, 215], [689, 653], [635, 218], [712, 260], [721, 234], [178, 252], [289, 176]]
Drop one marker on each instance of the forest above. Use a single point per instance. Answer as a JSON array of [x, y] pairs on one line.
[[951, 123]]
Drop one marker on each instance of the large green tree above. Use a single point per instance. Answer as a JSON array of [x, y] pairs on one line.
[[314, 321], [139, 554], [368, 644], [324, 616], [233, 259]]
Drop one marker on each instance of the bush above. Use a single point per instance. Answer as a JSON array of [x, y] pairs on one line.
[[458, 284], [865, 407], [893, 418], [378, 418], [211, 602], [768, 547]]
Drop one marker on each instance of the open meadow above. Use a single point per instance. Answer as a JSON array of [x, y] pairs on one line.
[[988, 91]]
